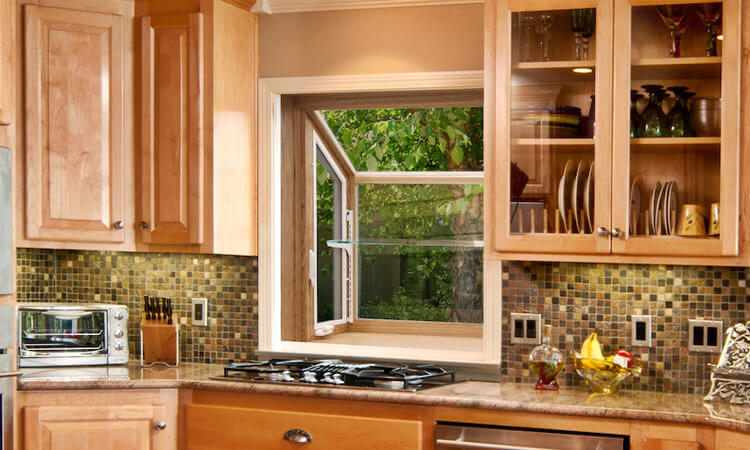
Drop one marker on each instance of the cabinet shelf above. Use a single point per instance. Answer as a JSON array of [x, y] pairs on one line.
[[552, 71], [676, 141], [552, 141], [676, 68]]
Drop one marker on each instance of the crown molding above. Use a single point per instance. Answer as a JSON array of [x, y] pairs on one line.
[[291, 6]]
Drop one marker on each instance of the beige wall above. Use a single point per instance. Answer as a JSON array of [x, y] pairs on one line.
[[415, 39]]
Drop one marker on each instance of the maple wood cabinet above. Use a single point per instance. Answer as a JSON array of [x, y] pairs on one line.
[[75, 166], [598, 193], [98, 420], [181, 178], [7, 59], [197, 173]]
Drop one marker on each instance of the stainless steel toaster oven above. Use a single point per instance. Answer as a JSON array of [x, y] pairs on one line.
[[72, 335]]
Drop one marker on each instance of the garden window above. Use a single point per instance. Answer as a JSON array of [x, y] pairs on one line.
[[381, 225]]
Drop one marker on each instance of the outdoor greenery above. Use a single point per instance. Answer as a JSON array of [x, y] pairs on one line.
[[431, 283]]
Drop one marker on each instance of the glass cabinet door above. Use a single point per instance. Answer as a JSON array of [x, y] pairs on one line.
[[676, 128], [553, 126]]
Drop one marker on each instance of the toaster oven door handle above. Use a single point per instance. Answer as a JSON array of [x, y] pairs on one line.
[[67, 314], [10, 374]]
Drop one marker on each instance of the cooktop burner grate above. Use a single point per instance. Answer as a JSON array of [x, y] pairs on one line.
[[338, 373]]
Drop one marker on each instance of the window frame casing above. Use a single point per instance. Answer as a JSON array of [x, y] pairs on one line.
[[271, 91]]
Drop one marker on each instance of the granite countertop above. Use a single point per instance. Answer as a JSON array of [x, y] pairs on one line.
[[633, 405]]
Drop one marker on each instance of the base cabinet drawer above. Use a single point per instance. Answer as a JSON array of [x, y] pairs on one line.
[[218, 427]]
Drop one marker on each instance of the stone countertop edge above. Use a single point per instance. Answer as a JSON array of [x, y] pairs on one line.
[[687, 409]]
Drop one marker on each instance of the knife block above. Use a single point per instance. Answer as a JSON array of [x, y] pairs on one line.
[[160, 342]]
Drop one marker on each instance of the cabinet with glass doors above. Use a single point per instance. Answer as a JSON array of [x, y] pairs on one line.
[[616, 127]]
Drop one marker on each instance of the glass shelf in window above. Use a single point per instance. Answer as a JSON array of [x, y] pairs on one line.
[[409, 242]]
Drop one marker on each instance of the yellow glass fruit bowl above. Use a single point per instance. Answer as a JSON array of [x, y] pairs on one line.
[[604, 377]]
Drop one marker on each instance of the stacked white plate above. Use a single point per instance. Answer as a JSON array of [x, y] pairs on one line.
[[576, 192]]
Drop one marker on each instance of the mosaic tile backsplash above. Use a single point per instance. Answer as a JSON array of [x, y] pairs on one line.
[[229, 282], [577, 299]]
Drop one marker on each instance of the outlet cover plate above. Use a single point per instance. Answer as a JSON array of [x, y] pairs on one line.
[[199, 312], [530, 327], [640, 335], [705, 335]]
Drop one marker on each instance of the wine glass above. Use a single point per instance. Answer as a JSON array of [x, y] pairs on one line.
[[543, 27], [582, 22], [674, 18], [529, 23], [678, 119], [653, 121], [710, 14]]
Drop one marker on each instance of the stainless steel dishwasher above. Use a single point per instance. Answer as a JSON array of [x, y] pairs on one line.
[[451, 437]]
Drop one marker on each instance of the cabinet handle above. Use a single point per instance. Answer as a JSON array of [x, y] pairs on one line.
[[119, 225], [142, 225], [602, 231], [160, 425], [617, 233], [298, 436]]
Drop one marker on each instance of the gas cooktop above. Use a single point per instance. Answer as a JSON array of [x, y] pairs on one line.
[[336, 373]]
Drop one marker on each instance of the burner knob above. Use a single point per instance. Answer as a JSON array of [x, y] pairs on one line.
[[309, 377], [337, 379], [286, 376], [327, 378]]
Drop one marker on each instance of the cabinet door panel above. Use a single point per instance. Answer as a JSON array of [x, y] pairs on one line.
[[173, 156], [219, 428], [123, 427], [551, 173], [678, 161], [74, 131]]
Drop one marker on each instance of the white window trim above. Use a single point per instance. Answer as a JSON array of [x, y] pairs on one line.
[[270, 91], [323, 327]]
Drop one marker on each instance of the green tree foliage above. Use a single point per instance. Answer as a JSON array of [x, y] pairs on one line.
[[425, 139]]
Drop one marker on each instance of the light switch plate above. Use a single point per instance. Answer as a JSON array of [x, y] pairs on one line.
[[200, 312], [705, 335], [525, 328], [640, 335]]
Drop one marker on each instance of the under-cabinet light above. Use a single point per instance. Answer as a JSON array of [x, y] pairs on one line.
[[720, 37], [582, 70]]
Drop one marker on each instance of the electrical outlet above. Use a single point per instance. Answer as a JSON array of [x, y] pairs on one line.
[[525, 328], [200, 312], [705, 335], [640, 331]]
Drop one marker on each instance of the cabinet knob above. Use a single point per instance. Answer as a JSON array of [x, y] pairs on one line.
[[119, 225], [617, 233], [602, 231], [142, 225], [298, 436], [160, 425]]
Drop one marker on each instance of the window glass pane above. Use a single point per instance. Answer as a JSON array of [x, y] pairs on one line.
[[409, 282], [411, 140], [420, 211], [328, 215], [438, 278]]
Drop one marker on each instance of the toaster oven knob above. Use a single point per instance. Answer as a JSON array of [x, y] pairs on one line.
[[119, 347], [119, 333], [119, 315]]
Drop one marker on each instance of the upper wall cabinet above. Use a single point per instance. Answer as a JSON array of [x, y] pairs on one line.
[[173, 151], [73, 85], [198, 164], [7, 59], [616, 130]]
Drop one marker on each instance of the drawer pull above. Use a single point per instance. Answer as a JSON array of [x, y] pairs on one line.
[[298, 436], [160, 425]]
